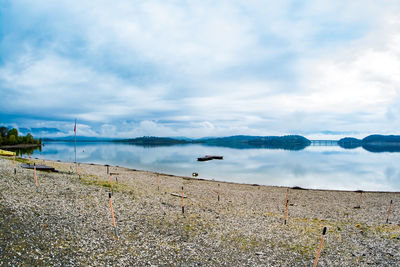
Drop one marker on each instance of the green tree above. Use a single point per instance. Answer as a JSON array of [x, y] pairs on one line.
[[14, 132], [3, 131], [29, 138], [12, 140]]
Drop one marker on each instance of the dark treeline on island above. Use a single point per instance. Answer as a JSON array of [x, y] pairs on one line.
[[288, 142], [11, 138], [373, 143]]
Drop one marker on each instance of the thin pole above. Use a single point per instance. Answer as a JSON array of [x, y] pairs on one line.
[[359, 204], [15, 170], [36, 182], [112, 215], [320, 247], [158, 183], [183, 204], [219, 191], [390, 207], [111, 184], [287, 205], [76, 165]]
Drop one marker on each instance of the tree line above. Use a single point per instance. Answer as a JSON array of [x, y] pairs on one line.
[[11, 137]]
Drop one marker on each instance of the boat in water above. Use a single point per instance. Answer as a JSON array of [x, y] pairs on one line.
[[208, 157]]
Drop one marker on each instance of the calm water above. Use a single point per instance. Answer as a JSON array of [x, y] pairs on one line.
[[329, 167]]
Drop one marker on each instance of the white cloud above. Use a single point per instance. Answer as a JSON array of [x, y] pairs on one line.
[[203, 68]]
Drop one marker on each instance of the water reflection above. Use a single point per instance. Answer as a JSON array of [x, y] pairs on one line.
[[328, 167], [26, 150]]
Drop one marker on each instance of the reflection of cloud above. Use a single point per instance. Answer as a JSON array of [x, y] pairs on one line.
[[353, 170]]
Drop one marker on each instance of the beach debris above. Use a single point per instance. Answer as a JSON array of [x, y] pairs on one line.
[[112, 215], [195, 174], [39, 167], [299, 188], [208, 157], [320, 247], [177, 195], [390, 207]]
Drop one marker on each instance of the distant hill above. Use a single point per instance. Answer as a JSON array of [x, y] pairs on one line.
[[154, 141], [71, 138], [350, 142], [373, 143], [289, 142], [381, 143]]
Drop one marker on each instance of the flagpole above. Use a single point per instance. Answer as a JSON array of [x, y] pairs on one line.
[[76, 164]]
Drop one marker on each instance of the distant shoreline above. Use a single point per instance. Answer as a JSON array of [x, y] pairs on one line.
[[371, 143], [21, 146]]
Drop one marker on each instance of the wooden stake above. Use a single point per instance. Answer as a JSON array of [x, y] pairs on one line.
[[36, 181], [320, 247], [183, 204], [112, 215], [390, 207], [287, 205], [287, 194], [158, 183], [219, 191], [359, 204], [111, 184]]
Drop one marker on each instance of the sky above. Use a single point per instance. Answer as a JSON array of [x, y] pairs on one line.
[[128, 68]]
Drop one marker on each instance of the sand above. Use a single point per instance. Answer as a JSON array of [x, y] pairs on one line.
[[68, 221]]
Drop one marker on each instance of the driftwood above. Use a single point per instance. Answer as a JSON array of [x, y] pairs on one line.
[[178, 195]]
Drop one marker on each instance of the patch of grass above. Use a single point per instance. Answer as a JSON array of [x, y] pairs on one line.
[[98, 183], [17, 159], [117, 187]]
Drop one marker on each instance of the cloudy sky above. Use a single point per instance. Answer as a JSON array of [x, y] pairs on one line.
[[130, 68]]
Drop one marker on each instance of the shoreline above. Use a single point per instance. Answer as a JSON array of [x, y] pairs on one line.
[[21, 146], [68, 222], [221, 181]]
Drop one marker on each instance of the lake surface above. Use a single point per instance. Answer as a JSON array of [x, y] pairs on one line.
[[322, 167]]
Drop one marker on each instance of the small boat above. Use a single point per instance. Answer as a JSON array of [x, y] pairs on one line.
[[208, 157], [6, 153]]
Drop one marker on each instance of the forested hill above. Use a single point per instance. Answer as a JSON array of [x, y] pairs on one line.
[[373, 143], [290, 142]]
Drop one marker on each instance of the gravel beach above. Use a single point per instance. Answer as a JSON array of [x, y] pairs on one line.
[[68, 221]]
